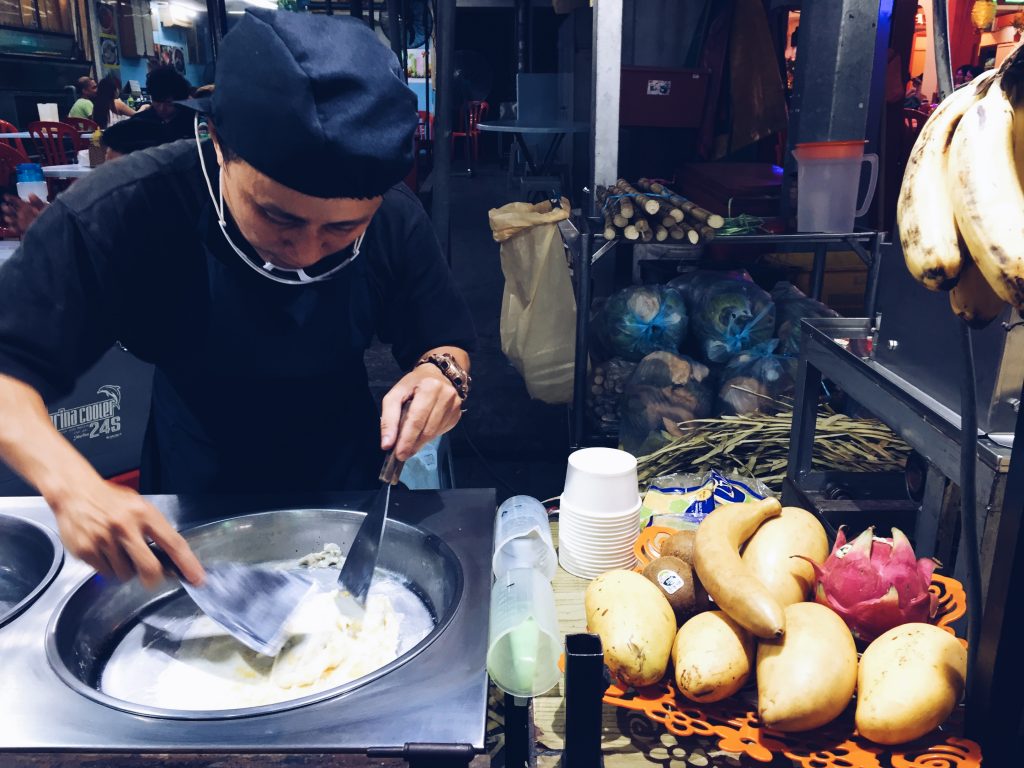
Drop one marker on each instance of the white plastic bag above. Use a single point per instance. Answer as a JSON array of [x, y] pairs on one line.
[[538, 309]]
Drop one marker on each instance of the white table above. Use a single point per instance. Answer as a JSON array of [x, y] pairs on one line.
[[556, 130], [27, 135], [70, 171]]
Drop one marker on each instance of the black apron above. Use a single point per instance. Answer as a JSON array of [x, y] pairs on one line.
[[276, 397]]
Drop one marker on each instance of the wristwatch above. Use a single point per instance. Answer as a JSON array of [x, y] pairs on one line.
[[454, 372]]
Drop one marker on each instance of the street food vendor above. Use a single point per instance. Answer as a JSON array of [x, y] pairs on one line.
[[253, 270]]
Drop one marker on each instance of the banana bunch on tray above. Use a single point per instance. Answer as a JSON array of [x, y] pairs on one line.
[[961, 207]]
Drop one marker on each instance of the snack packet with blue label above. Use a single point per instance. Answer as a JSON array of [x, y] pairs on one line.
[[682, 501]]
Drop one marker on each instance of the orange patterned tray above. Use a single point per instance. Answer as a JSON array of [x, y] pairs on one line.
[[735, 725]]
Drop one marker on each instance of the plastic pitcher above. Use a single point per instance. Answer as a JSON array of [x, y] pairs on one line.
[[828, 177]]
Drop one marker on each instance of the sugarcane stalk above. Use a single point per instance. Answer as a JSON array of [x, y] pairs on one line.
[[677, 233], [688, 207], [691, 234], [631, 232], [661, 233], [609, 226], [706, 232], [648, 204]]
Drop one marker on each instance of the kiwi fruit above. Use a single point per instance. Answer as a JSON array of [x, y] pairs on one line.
[[679, 584], [679, 544]]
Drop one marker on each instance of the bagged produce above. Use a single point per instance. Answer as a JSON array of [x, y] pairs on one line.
[[682, 501], [757, 382], [664, 390], [604, 396], [691, 284], [642, 319], [792, 306], [729, 316]]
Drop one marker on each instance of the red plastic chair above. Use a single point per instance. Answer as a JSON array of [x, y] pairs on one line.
[[81, 125], [474, 112], [10, 158], [6, 127], [424, 136], [53, 139]]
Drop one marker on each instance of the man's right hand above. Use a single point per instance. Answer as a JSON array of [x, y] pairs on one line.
[[108, 526]]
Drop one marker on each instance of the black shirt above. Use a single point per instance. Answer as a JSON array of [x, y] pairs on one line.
[[258, 385]]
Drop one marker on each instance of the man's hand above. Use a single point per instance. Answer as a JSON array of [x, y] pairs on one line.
[[18, 215], [107, 526], [435, 408]]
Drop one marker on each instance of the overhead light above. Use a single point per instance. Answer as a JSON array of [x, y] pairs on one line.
[[271, 4], [983, 13]]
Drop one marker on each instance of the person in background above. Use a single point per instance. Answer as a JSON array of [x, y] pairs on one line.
[[165, 87], [86, 93], [120, 139], [914, 99], [107, 106], [965, 74]]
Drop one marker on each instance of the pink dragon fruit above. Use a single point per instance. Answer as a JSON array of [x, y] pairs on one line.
[[875, 584]]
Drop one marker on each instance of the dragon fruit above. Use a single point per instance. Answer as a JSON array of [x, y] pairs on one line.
[[875, 584]]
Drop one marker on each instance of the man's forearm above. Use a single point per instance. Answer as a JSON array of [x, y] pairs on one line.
[[33, 448]]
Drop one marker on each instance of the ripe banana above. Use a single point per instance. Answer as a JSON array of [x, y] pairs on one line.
[[972, 298], [988, 200], [924, 211]]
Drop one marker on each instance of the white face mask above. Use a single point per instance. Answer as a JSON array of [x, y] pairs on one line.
[[265, 268]]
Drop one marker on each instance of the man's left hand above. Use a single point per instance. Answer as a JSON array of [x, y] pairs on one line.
[[435, 408]]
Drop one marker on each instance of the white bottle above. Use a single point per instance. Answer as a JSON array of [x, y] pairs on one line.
[[523, 643], [522, 538]]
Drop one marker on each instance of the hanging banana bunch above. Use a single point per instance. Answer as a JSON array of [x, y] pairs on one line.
[[961, 206]]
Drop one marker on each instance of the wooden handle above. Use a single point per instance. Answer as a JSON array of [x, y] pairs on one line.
[[392, 468]]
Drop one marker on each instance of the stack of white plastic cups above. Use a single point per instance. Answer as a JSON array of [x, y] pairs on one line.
[[600, 512]]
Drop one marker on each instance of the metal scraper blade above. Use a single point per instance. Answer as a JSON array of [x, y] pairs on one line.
[[253, 603], [361, 561]]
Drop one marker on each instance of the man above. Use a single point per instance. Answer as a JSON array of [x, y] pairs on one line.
[[86, 92], [253, 271], [166, 87]]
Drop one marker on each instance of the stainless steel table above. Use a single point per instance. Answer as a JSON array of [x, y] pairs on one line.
[[432, 706], [557, 131]]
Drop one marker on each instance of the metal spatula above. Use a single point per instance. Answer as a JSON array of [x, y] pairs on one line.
[[361, 560], [252, 602]]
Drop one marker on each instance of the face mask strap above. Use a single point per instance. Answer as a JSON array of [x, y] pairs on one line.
[[267, 270]]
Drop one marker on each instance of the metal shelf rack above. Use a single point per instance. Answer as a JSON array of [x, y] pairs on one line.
[[583, 237]]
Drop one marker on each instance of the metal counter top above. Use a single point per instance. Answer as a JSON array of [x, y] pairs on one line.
[[438, 697]]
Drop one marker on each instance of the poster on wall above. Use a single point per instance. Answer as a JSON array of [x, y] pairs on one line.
[[170, 56], [109, 53]]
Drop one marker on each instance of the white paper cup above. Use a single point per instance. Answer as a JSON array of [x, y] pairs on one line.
[[585, 570], [601, 481]]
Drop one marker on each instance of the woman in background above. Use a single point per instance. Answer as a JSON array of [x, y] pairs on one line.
[[107, 106]]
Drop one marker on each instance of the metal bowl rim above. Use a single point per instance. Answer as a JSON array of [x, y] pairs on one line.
[[57, 562], [73, 682]]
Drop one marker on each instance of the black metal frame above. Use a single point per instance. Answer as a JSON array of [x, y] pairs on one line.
[[867, 245], [995, 707]]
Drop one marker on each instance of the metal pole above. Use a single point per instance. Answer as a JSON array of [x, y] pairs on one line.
[[940, 34], [444, 52], [581, 271], [522, 32], [394, 8], [356, 9], [994, 688], [604, 103], [218, 16]]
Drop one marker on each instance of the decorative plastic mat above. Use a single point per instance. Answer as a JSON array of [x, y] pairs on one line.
[[735, 725]]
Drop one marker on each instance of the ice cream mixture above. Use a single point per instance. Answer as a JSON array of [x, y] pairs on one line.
[[200, 667]]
